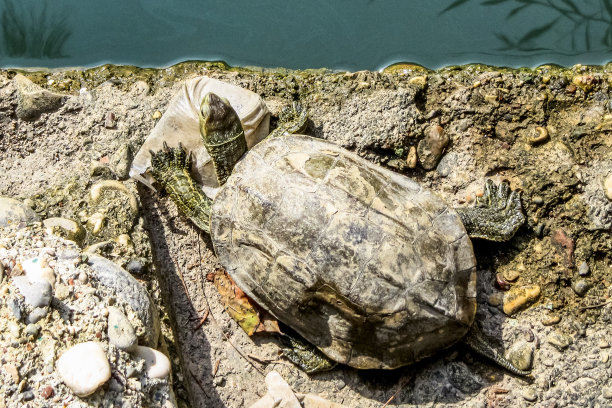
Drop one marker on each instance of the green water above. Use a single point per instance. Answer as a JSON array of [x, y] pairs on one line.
[[335, 34]]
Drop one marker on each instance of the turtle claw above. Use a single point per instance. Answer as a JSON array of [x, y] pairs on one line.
[[306, 356], [497, 216], [291, 120]]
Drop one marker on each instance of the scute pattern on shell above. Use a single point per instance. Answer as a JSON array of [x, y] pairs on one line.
[[372, 268]]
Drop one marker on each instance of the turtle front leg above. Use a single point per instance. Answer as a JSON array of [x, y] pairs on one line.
[[291, 120], [306, 356], [170, 168], [497, 216]]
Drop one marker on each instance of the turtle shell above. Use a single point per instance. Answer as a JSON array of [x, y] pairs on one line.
[[368, 265]]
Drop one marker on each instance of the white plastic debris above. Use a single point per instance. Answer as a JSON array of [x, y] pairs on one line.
[[180, 123]]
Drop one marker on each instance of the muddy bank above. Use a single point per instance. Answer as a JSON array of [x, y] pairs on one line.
[[547, 131]]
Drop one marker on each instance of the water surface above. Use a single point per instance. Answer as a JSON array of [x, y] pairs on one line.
[[335, 34]]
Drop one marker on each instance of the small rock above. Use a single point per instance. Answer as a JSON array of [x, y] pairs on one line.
[[157, 364], [134, 267], [27, 395], [411, 159], [462, 378], [120, 331], [607, 186], [551, 320], [14, 307], [121, 161], [65, 228], [84, 368], [109, 120], [518, 298], [583, 269], [559, 341], [36, 294], [431, 147], [511, 275], [12, 371], [279, 394], [537, 200], [581, 287], [530, 395], [565, 244], [47, 392], [521, 355], [495, 299], [604, 357], [15, 212], [603, 344], [32, 329], [541, 135], [157, 115], [37, 314], [83, 278], [37, 270], [607, 393], [62, 291], [33, 100]]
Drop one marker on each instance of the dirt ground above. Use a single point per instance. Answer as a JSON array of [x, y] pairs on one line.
[[548, 131]]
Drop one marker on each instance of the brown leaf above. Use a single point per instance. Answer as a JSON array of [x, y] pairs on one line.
[[242, 309]]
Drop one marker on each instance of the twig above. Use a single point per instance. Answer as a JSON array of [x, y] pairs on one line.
[[594, 306], [202, 320], [401, 385], [197, 380]]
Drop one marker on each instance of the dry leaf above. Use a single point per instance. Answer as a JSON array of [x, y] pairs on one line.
[[242, 309]]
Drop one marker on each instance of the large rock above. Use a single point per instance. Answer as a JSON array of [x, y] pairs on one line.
[[34, 100], [14, 212]]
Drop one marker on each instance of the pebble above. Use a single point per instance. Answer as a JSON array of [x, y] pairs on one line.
[[607, 393], [495, 299], [134, 267], [109, 120], [120, 331], [84, 368], [518, 298], [521, 355], [47, 392], [551, 320], [12, 371], [607, 186], [62, 291], [14, 307], [83, 278], [583, 269], [36, 294], [603, 344], [411, 159], [37, 314], [66, 228], [15, 212], [37, 270], [529, 394], [604, 357], [511, 275], [121, 161], [559, 341], [431, 147], [27, 395], [540, 137], [537, 200], [565, 244], [32, 329], [157, 115], [581, 287], [157, 365]]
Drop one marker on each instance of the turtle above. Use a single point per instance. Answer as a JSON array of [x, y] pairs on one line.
[[367, 265]]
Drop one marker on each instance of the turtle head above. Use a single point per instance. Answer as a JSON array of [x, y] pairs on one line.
[[217, 119]]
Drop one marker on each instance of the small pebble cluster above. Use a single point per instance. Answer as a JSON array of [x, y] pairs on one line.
[[67, 335]]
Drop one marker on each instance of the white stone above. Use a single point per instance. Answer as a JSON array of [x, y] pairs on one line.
[[279, 394], [156, 362], [37, 270], [84, 368], [14, 211]]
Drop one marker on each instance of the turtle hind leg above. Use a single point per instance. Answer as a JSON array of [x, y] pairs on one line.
[[475, 341], [170, 168], [306, 356], [291, 120], [497, 216]]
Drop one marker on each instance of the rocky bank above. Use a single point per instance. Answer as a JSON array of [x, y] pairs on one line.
[[66, 143]]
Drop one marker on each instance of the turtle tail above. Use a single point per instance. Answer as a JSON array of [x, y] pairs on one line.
[[476, 341]]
